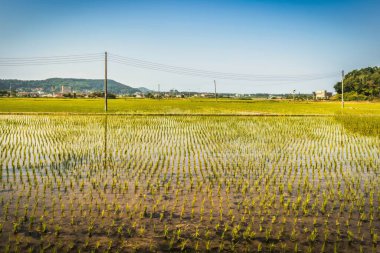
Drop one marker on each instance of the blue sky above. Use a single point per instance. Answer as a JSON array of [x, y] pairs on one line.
[[270, 37]]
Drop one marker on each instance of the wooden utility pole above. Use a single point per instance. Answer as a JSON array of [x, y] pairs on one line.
[[342, 88], [105, 82], [216, 98]]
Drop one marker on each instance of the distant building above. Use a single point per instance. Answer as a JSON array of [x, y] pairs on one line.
[[275, 97], [207, 95], [66, 89], [138, 95], [37, 89], [28, 94], [322, 95]]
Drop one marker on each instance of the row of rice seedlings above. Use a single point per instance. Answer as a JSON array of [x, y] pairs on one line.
[[290, 184], [368, 125]]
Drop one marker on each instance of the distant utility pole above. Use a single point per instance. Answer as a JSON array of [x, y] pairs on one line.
[[342, 88], [10, 90], [216, 98], [105, 81], [158, 90]]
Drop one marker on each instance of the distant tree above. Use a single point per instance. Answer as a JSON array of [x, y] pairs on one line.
[[101, 95], [149, 95], [111, 96], [364, 82], [4, 93]]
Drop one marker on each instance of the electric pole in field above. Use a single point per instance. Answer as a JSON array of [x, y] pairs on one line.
[[105, 81], [158, 89], [216, 98], [342, 88]]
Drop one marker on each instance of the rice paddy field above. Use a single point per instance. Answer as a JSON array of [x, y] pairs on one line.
[[184, 106], [190, 183]]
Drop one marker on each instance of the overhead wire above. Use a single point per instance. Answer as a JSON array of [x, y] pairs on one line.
[[65, 59], [212, 74], [149, 65]]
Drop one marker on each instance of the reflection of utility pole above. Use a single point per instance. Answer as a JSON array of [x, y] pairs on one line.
[[216, 98], [342, 88], [105, 81], [105, 140]]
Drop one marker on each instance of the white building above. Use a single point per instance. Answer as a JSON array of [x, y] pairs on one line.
[[66, 89], [322, 95]]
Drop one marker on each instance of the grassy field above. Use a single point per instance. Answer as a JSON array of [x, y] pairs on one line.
[[184, 106], [88, 183]]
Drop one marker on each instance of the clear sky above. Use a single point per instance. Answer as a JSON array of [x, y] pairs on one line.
[[270, 37]]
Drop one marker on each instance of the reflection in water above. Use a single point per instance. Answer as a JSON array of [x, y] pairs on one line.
[[105, 140]]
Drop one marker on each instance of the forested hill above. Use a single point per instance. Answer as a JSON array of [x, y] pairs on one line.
[[361, 84], [78, 85]]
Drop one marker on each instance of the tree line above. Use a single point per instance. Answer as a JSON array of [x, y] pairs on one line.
[[362, 84]]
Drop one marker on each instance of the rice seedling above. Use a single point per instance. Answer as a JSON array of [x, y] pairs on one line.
[[301, 184]]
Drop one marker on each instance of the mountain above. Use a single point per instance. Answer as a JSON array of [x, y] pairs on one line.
[[144, 90], [77, 85], [361, 84]]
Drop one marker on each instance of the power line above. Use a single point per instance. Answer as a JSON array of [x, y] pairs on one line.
[[219, 76], [47, 63], [137, 61], [143, 64], [213, 74], [65, 59], [51, 57]]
